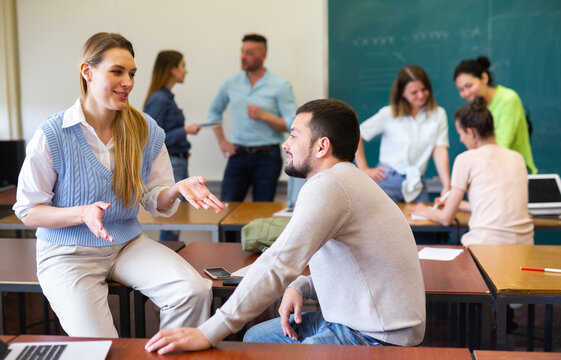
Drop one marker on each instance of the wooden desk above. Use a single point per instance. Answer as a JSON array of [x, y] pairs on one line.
[[230, 256], [460, 225], [18, 273], [6, 338], [456, 281], [11, 222], [134, 349], [428, 225], [541, 224], [187, 218], [501, 264], [514, 355], [546, 224], [459, 281], [247, 212], [8, 197]]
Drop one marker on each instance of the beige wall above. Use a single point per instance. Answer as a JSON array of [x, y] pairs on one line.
[[10, 122], [208, 33]]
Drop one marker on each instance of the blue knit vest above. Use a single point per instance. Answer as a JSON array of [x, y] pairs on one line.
[[83, 180]]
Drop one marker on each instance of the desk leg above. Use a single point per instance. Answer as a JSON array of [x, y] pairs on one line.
[[547, 327], [124, 311], [530, 334], [486, 325], [474, 317], [1, 314], [57, 325], [462, 324], [453, 324], [501, 323], [139, 315], [21, 303], [46, 315]]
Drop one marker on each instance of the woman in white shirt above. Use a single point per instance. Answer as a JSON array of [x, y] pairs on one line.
[[86, 172], [413, 128], [495, 180]]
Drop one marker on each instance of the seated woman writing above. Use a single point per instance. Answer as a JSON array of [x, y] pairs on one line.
[[495, 180]]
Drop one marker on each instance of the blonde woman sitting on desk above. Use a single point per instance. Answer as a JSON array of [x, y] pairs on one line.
[[86, 172], [496, 182], [413, 128]]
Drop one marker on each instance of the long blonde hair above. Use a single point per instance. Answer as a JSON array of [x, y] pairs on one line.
[[130, 130], [165, 61]]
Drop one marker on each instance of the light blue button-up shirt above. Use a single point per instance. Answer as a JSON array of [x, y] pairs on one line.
[[271, 93]]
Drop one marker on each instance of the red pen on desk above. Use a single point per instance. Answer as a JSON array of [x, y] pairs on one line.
[[540, 269]]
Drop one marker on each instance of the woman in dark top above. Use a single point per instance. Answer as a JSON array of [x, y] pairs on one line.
[[169, 69]]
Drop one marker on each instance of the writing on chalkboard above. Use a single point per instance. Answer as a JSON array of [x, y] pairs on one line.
[[417, 36], [468, 33], [430, 35]]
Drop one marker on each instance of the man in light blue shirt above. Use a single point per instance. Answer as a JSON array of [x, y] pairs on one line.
[[263, 108]]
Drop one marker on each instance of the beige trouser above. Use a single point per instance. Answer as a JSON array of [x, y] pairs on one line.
[[74, 280]]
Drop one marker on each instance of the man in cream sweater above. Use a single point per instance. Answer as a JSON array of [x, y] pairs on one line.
[[363, 261]]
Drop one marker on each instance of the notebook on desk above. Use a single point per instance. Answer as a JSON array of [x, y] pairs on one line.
[[63, 350], [544, 194]]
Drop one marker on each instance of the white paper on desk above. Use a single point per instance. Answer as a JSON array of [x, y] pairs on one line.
[[418, 217], [442, 254], [241, 272], [286, 212]]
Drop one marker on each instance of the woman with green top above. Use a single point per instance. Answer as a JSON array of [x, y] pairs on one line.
[[473, 78]]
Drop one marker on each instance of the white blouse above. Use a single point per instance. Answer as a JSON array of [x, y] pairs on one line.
[[407, 141], [37, 176]]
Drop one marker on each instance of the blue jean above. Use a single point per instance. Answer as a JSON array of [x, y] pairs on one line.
[[392, 186], [259, 169], [180, 172], [313, 330]]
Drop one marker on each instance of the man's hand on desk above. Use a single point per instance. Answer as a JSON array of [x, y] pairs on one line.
[[179, 339]]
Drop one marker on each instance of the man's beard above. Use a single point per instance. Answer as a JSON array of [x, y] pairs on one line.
[[300, 172]]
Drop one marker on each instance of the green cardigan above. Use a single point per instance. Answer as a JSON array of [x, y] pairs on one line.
[[511, 129]]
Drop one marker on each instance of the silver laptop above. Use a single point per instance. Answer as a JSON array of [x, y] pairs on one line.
[[544, 194], [63, 350]]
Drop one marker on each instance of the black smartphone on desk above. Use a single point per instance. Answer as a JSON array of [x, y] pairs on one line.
[[233, 281], [217, 273]]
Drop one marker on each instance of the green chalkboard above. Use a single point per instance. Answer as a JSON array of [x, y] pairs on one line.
[[370, 40]]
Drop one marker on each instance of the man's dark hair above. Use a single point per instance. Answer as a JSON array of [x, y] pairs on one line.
[[255, 38], [338, 122]]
